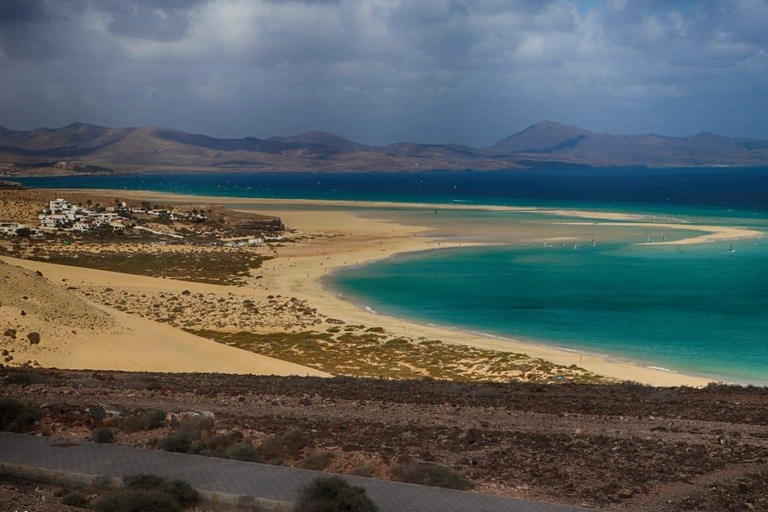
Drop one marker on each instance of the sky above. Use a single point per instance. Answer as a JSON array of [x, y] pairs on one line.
[[382, 71]]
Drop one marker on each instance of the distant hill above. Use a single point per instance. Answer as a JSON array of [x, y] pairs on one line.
[[322, 138], [84, 148], [543, 137], [548, 140]]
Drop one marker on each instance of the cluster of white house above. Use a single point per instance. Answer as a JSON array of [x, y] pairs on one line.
[[11, 228], [61, 214], [171, 215]]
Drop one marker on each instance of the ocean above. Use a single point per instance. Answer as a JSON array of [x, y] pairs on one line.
[[699, 309]]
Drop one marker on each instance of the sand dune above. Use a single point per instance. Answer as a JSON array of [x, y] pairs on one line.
[[75, 334]]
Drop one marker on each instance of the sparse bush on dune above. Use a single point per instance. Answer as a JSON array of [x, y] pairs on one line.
[[333, 494]]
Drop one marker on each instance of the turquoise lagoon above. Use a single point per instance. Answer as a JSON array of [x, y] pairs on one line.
[[699, 309]]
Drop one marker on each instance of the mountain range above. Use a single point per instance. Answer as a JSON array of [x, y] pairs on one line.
[[79, 147]]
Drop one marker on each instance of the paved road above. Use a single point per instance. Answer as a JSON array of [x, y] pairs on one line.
[[228, 477]]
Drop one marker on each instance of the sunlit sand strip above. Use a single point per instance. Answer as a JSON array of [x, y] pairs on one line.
[[712, 233], [258, 201], [299, 268]]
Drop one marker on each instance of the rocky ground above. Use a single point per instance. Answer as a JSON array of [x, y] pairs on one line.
[[19, 494], [617, 447]]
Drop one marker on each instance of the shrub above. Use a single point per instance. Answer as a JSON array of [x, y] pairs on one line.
[[141, 377], [137, 501], [333, 495], [34, 338], [143, 421], [294, 440], [132, 423], [243, 451], [366, 470], [16, 416], [178, 442], [143, 482], [317, 460], [181, 491], [433, 475], [194, 426], [25, 378], [74, 499], [275, 449], [155, 419], [103, 435], [217, 446]]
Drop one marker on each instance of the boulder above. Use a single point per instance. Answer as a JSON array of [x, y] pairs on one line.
[[105, 414]]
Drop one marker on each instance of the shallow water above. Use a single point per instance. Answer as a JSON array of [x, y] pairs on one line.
[[697, 309], [692, 308]]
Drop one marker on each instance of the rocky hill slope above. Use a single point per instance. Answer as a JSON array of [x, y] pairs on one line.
[[83, 148]]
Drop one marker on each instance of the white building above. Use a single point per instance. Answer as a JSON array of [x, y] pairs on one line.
[[10, 228], [61, 214]]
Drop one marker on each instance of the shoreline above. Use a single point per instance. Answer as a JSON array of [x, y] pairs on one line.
[[299, 272], [518, 340], [712, 233]]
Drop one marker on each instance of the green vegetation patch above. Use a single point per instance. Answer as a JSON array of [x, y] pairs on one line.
[[224, 267], [434, 475], [333, 494], [365, 352], [16, 416]]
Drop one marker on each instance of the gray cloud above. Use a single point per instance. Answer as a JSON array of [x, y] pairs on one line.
[[467, 71]]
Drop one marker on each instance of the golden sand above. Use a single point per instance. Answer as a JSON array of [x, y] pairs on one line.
[[337, 238]]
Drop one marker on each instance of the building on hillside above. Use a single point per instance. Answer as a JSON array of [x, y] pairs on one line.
[[11, 228], [61, 214]]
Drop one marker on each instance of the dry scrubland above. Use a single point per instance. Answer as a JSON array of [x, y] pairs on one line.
[[618, 447], [187, 252]]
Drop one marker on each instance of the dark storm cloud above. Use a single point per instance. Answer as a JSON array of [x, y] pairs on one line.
[[16, 11], [158, 20], [466, 71]]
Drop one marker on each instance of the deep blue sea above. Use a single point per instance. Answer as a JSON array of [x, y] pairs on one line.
[[694, 308], [720, 189]]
